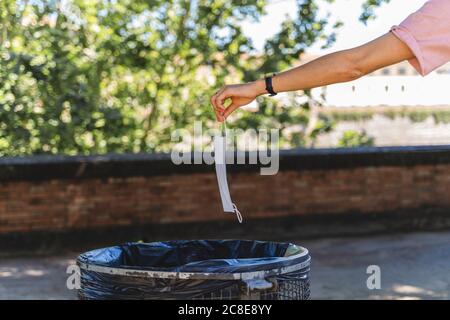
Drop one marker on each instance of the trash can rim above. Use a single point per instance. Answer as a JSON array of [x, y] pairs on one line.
[[261, 274]]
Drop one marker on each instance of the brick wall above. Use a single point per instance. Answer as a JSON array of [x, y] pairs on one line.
[[58, 194]]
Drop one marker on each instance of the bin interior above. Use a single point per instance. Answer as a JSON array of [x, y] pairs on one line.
[[171, 255]]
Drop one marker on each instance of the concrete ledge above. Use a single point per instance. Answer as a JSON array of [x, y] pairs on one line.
[[39, 168]]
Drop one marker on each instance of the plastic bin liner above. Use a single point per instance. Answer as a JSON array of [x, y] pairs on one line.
[[207, 256], [204, 261]]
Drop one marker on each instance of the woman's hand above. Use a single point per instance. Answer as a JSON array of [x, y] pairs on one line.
[[239, 94]]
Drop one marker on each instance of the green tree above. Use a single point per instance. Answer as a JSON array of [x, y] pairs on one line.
[[352, 139], [369, 7], [97, 76]]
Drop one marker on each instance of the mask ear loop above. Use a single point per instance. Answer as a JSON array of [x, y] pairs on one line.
[[238, 213], [236, 210]]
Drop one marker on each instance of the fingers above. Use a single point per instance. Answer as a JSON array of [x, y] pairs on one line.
[[213, 103], [217, 111], [223, 95], [218, 104]]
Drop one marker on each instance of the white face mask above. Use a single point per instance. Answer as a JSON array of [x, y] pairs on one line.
[[221, 172]]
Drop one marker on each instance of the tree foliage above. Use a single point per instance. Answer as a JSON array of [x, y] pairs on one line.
[[369, 7], [97, 76], [352, 139]]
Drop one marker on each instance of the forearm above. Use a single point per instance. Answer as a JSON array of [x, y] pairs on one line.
[[332, 68], [337, 67], [342, 66]]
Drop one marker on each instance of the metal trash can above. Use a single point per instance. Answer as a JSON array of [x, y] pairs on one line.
[[197, 269]]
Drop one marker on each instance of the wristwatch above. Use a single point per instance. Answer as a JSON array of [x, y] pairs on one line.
[[269, 86]]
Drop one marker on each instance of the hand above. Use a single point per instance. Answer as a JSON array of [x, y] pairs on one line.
[[239, 94]]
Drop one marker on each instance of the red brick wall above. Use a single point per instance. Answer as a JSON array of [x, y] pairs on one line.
[[67, 204]]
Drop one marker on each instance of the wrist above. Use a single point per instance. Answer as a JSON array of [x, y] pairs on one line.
[[259, 87]]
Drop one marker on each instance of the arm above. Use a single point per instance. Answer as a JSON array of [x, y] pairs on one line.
[[336, 67]]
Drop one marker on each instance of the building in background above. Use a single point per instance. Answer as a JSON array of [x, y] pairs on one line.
[[418, 106], [396, 85]]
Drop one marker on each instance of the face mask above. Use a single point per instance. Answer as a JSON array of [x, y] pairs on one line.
[[221, 172]]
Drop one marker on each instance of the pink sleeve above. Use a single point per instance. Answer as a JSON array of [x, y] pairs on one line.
[[427, 34]]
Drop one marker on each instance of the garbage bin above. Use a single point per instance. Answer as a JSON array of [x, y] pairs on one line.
[[196, 269]]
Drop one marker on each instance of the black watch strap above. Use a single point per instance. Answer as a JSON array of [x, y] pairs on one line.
[[269, 86]]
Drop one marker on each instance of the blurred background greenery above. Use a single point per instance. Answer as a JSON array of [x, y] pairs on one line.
[[101, 76]]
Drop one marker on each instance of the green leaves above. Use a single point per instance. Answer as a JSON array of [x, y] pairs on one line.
[[351, 139], [369, 9], [119, 76]]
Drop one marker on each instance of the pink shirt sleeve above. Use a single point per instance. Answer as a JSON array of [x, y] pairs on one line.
[[427, 34]]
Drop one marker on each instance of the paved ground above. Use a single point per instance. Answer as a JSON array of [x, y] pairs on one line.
[[413, 266]]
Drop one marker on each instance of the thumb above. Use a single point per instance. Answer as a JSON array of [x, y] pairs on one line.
[[229, 110]]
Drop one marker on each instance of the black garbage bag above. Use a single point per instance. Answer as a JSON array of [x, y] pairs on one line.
[[185, 269]]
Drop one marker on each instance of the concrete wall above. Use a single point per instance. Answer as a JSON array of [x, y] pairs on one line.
[[388, 91], [400, 131]]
